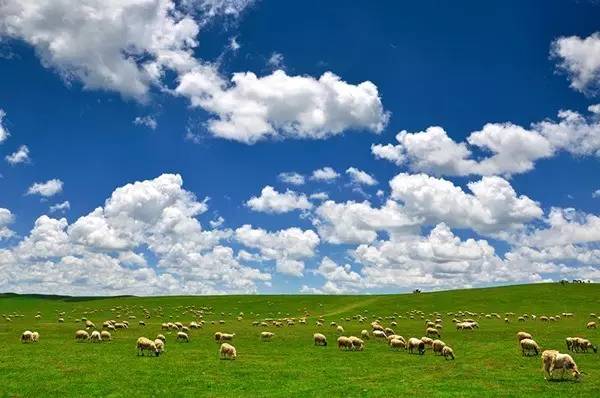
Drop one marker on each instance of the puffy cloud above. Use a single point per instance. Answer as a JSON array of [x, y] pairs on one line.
[[513, 148], [60, 207], [353, 222], [287, 247], [579, 58], [360, 177], [217, 222], [324, 174], [46, 189], [565, 227], [492, 208], [148, 121], [209, 9], [278, 106], [21, 155], [103, 252], [596, 193], [3, 131], [123, 46], [319, 196], [6, 218], [291, 177], [271, 201]]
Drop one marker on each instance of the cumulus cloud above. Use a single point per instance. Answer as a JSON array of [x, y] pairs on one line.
[[46, 189], [291, 177], [6, 219], [21, 155], [3, 130], [493, 207], [287, 247], [565, 227], [103, 251], [326, 174], [277, 106], [360, 177], [579, 58], [148, 121], [60, 207], [271, 201], [512, 149]]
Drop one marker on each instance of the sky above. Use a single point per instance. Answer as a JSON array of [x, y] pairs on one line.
[[160, 147]]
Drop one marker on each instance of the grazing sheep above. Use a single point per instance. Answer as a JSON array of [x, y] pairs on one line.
[[448, 352], [427, 341], [414, 343], [397, 343], [95, 336], [364, 334], [553, 360], [27, 336], [320, 339], [581, 345], [266, 336], [142, 323], [61, 320], [145, 344], [357, 344], [437, 346], [164, 326], [161, 337], [218, 337], [35, 337], [227, 336], [433, 332], [379, 334], [591, 325], [160, 345], [182, 336], [227, 351], [523, 335], [389, 331], [104, 335], [571, 341], [339, 329], [528, 346], [89, 324], [82, 335], [344, 342]]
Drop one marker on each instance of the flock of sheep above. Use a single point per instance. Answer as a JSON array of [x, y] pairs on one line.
[[552, 360]]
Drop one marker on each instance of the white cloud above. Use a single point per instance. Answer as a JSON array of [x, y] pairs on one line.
[[6, 219], [287, 247], [319, 196], [3, 130], [148, 121], [579, 58], [233, 44], [103, 252], [271, 201], [291, 177], [217, 222], [353, 222], [513, 148], [210, 9], [60, 207], [21, 155], [565, 227], [275, 61], [326, 174], [122, 46], [596, 193], [278, 106], [360, 177], [46, 189], [492, 208]]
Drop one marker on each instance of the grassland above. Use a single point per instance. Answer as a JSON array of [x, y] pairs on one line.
[[488, 361]]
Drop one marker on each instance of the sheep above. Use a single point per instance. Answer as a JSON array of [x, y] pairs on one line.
[[389, 331], [379, 334], [571, 341], [344, 342], [448, 352], [227, 336], [142, 323], [528, 346], [227, 351], [437, 346], [397, 343], [61, 320], [95, 336], [27, 336], [339, 329], [364, 334], [161, 337], [89, 324], [82, 335], [523, 335], [164, 326], [145, 344], [160, 345], [266, 336], [414, 343], [105, 335], [432, 332], [591, 325], [183, 336], [427, 341], [357, 344], [35, 337], [320, 339], [552, 360], [580, 344], [218, 337]]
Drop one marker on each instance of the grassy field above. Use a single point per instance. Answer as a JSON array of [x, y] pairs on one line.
[[488, 361]]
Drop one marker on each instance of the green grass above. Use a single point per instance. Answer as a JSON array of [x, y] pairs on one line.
[[488, 360]]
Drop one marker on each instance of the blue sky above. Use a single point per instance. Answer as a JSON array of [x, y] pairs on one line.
[[488, 185]]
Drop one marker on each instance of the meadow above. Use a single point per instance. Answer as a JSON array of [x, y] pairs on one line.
[[488, 360]]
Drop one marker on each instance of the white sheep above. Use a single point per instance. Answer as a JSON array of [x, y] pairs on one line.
[[161, 337], [397, 343], [160, 345], [523, 335], [105, 335], [266, 336], [82, 335], [227, 351], [528, 346], [364, 334], [145, 344], [591, 325], [553, 360], [432, 332], [344, 342], [27, 337], [35, 337], [448, 352], [438, 346], [95, 336], [357, 344], [379, 334], [227, 336], [183, 336], [340, 329], [414, 343], [320, 339]]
